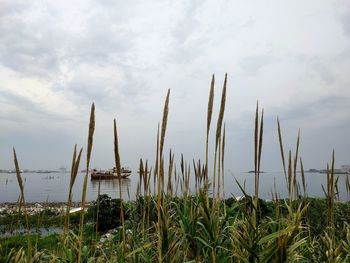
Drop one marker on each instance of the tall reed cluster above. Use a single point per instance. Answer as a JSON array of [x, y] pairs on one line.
[[172, 221]]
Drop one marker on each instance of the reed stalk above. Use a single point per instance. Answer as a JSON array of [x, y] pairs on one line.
[[23, 203], [170, 172], [73, 175], [209, 117], [290, 177], [161, 173], [219, 168], [303, 177], [223, 167], [88, 157], [258, 141], [281, 149], [119, 172], [218, 129], [295, 167]]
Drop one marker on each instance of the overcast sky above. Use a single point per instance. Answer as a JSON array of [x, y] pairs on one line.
[[57, 57]]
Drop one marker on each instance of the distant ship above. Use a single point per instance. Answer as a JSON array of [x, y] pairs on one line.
[[253, 172], [110, 174]]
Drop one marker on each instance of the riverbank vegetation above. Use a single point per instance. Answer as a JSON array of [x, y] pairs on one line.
[[181, 213]]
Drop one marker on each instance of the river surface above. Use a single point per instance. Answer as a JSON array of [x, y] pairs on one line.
[[53, 187]]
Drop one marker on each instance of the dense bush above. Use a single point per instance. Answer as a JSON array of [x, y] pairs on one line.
[[109, 212]]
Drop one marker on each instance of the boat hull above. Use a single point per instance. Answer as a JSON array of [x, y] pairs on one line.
[[108, 176]]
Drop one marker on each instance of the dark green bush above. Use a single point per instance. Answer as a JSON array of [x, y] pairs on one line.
[[109, 215]]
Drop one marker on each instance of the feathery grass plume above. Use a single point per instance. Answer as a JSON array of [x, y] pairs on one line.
[[164, 123], [209, 116], [221, 113], [295, 166], [219, 169], [261, 132], [196, 175], [147, 192], [332, 197], [73, 175], [258, 140], [141, 176], [170, 172], [223, 166], [73, 162], [116, 150], [119, 172], [290, 177], [88, 156], [256, 135], [218, 128], [22, 203], [328, 196], [156, 169], [303, 176], [281, 149], [161, 173], [336, 188]]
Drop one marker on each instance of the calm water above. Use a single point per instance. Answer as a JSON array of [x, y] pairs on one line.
[[53, 187]]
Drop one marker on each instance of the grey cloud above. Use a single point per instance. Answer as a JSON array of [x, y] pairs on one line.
[[330, 103], [27, 108], [323, 70], [28, 49], [345, 21], [186, 45], [252, 64], [320, 65]]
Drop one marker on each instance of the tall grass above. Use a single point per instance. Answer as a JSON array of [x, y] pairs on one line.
[[83, 198], [73, 176], [118, 165], [172, 223], [22, 204]]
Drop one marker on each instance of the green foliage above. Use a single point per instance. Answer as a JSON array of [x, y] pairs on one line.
[[109, 212]]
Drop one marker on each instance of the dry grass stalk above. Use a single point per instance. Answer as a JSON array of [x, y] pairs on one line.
[[303, 176], [88, 156], [119, 172], [261, 132], [332, 195], [155, 176], [116, 150], [295, 167], [281, 149], [209, 117], [221, 112], [223, 166], [164, 123], [256, 136], [141, 176], [258, 141], [219, 169], [160, 161], [218, 129], [22, 203], [290, 177], [73, 175]]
